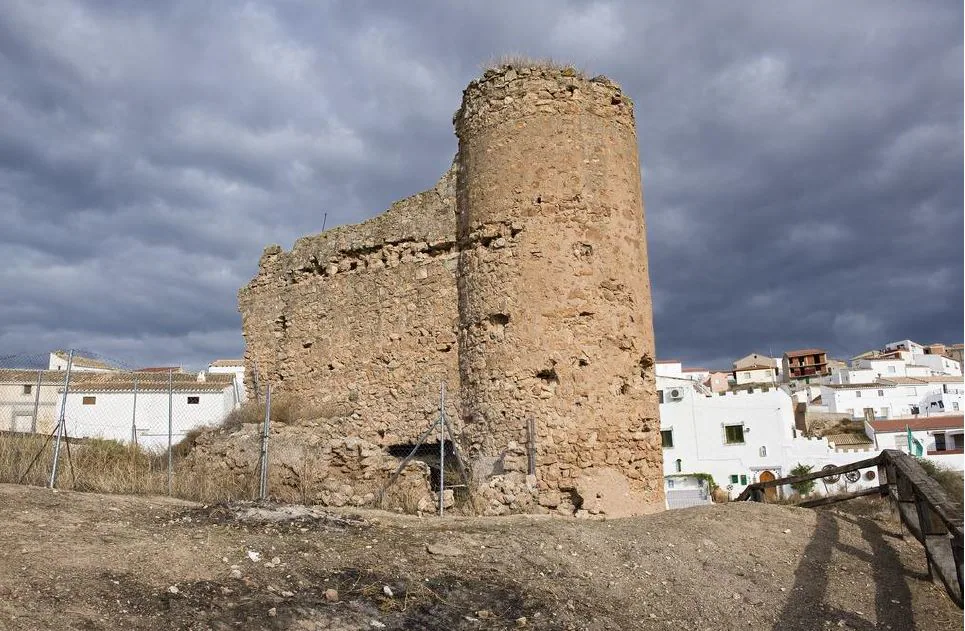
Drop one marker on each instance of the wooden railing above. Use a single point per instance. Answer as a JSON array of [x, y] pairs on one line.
[[922, 505]]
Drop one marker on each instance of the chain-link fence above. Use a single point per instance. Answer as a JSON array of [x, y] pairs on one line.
[[76, 420]]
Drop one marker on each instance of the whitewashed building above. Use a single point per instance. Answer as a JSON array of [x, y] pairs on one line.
[[235, 367], [893, 396], [736, 437], [940, 437], [139, 406], [58, 361]]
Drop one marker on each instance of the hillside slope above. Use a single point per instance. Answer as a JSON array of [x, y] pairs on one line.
[[84, 561]]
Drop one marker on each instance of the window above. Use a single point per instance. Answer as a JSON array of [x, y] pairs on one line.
[[891, 369], [743, 479], [763, 452], [660, 396], [955, 405], [194, 400], [89, 400], [678, 465], [666, 438], [747, 375], [857, 393], [733, 479], [734, 434], [881, 393], [27, 388], [939, 442], [669, 483]]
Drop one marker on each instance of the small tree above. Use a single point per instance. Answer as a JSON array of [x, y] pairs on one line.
[[802, 488]]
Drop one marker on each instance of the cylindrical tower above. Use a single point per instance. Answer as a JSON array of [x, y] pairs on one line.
[[554, 293]]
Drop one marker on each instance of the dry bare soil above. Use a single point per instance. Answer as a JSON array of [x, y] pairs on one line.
[[84, 561]]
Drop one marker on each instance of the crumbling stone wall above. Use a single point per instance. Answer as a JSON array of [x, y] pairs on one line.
[[520, 279]]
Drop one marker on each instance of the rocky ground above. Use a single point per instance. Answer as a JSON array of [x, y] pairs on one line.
[[84, 561]]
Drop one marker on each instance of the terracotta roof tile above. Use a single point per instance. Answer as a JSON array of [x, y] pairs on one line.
[[918, 423]]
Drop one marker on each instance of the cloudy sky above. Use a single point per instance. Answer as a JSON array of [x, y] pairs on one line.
[[802, 161]]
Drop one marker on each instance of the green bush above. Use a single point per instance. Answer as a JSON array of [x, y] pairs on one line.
[[802, 488]]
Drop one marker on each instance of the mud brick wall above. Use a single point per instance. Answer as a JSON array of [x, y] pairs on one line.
[[521, 280]]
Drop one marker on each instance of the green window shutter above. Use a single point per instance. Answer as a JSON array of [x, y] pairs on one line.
[[733, 479], [743, 479]]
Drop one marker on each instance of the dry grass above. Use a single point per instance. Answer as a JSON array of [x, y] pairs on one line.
[[284, 408], [107, 466], [524, 61]]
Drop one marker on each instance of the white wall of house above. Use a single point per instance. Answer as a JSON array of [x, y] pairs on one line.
[[669, 369], [907, 345], [109, 414], [899, 440], [56, 362], [938, 364], [698, 429], [882, 367], [889, 401], [756, 375], [239, 374]]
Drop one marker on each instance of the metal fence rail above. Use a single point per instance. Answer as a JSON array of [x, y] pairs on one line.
[[923, 508]]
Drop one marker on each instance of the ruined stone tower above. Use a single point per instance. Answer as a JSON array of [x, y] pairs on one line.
[[520, 279], [554, 297]]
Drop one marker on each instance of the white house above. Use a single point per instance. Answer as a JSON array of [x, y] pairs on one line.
[[28, 399], [58, 361], [234, 367], [138, 406], [940, 437], [894, 397], [736, 437], [758, 374], [905, 345], [938, 364]]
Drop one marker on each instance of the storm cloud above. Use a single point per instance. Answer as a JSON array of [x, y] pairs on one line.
[[801, 162]]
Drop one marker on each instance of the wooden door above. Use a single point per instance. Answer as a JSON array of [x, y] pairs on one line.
[[771, 491]]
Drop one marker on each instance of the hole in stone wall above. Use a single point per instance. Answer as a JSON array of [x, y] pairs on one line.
[[549, 375], [583, 362], [331, 366], [616, 100], [539, 200], [583, 250], [428, 453], [353, 265], [625, 388], [584, 314], [306, 344], [499, 318]]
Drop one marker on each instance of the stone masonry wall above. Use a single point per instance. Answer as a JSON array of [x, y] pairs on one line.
[[520, 280], [362, 319], [555, 315]]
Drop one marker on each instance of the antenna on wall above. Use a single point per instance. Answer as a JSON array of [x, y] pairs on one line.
[[324, 221]]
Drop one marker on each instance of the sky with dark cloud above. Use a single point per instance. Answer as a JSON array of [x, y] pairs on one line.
[[802, 161]]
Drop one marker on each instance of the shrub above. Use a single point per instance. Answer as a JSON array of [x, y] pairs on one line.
[[802, 488], [951, 482]]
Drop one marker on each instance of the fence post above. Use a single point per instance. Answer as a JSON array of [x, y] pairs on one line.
[[442, 447], [134, 413], [40, 379], [61, 420], [263, 479], [170, 430]]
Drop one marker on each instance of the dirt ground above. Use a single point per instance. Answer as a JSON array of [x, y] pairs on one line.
[[84, 561]]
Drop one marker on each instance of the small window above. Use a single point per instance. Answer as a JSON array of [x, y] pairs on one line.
[[763, 452], [660, 396], [733, 479], [27, 388], [89, 400], [857, 393], [747, 375], [743, 479], [955, 405], [669, 483], [679, 465], [666, 438], [734, 434], [881, 393], [194, 400], [939, 442]]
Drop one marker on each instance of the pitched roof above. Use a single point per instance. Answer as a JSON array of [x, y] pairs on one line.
[[85, 362], [226, 363], [754, 367], [918, 423], [848, 439], [804, 351], [918, 381], [120, 381], [857, 386]]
